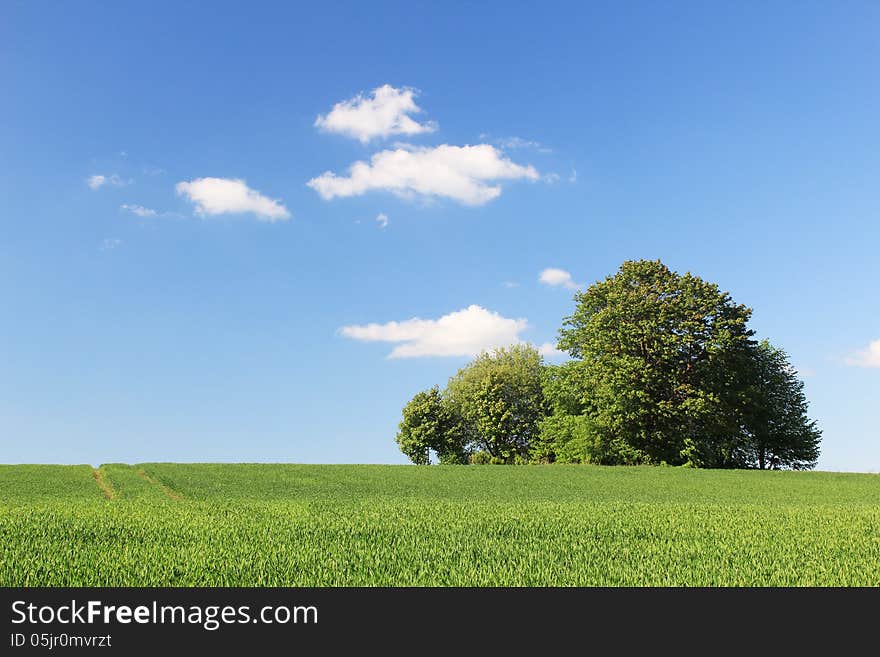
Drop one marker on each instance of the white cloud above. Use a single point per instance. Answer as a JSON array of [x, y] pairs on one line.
[[869, 357], [464, 332], [139, 210], [461, 173], [382, 220], [214, 196], [383, 113], [510, 284], [557, 277], [573, 178], [110, 243], [549, 350], [98, 180], [512, 143], [551, 178]]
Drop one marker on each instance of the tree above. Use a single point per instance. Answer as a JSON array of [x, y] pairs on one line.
[[429, 424], [566, 434], [655, 351], [778, 433], [499, 399]]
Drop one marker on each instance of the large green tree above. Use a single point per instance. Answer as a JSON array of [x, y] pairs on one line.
[[657, 351]]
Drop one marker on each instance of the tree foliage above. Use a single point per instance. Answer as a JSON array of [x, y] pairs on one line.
[[777, 431], [428, 425], [499, 399], [653, 346], [664, 369]]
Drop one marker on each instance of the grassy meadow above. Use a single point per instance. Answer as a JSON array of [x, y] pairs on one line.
[[158, 524]]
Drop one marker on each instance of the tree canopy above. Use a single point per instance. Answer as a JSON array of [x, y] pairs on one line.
[[429, 424], [499, 399], [664, 369], [777, 431]]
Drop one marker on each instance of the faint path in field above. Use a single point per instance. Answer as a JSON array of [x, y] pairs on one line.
[[174, 495], [103, 484]]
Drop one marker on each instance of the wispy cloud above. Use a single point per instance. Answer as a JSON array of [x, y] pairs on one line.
[[110, 243], [510, 284], [382, 113], [382, 220], [99, 180], [514, 143], [213, 196], [465, 332], [461, 173], [139, 210], [96, 181], [869, 357], [557, 278]]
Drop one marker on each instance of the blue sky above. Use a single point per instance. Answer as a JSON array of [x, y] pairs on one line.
[[167, 312]]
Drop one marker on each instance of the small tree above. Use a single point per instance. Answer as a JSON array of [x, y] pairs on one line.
[[778, 432], [429, 424], [499, 399]]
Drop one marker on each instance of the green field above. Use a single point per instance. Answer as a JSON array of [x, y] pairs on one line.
[[355, 525]]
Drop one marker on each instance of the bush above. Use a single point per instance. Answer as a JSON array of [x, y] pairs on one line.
[[480, 458]]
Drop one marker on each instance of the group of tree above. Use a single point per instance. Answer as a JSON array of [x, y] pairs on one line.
[[663, 369]]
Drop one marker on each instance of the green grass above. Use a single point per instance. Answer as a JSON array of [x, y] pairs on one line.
[[33, 483], [302, 525]]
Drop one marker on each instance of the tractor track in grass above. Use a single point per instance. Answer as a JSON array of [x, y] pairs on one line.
[[172, 494], [103, 484]]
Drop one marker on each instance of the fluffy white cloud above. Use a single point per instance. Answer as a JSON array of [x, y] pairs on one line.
[[461, 173], [214, 196], [869, 357], [139, 210], [98, 180], [382, 220], [383, 113], [464, 332], [557, 277]]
